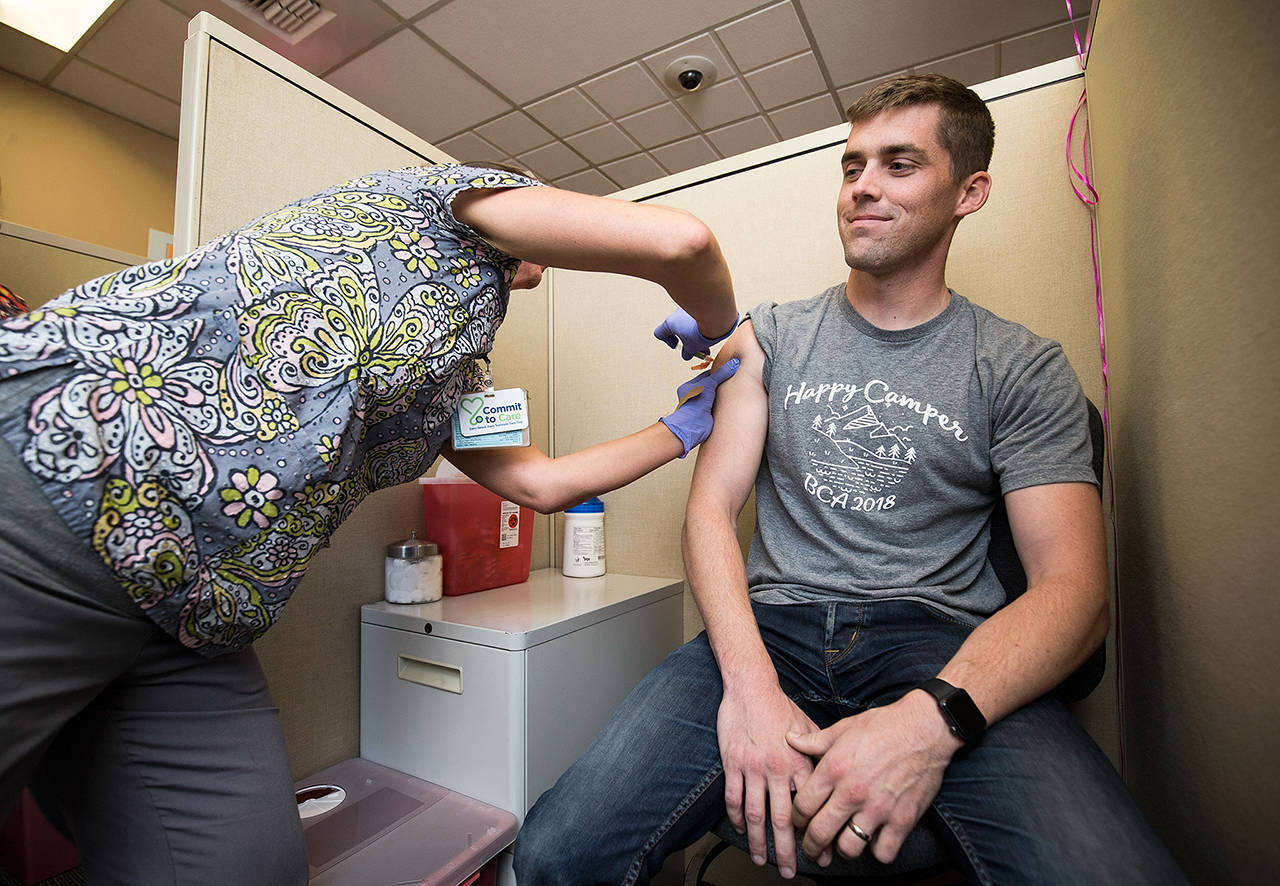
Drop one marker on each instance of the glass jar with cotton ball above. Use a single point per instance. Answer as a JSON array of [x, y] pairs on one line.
[[414, 571]]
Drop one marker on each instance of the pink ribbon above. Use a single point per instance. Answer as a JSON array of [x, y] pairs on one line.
[[1089, 197], [1081, 54]]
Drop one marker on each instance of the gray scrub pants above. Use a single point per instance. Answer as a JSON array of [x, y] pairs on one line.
[[165, 767]]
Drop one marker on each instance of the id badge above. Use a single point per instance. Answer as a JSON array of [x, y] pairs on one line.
[[492, 419]]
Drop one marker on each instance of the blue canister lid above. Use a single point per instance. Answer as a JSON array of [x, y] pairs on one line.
[[590, 506]]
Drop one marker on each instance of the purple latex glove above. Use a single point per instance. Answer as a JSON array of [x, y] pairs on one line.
[[691, 422], [682, 328]]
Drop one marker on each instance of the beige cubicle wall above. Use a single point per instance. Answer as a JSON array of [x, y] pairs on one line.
[[268, 140], [81, 172], [259, 132], [1025, 256], [1184, 132], [38, 265]]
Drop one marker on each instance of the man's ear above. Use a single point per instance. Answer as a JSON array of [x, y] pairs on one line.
[[976, 189]]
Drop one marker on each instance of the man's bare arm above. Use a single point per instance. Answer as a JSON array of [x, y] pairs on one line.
[[722, 480], [1014, 657], [761, 770], [1031, 645]]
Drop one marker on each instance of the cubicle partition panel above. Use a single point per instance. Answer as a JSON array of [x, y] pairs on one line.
[[258, 132], [1025, 255], [38, 265], [1184, 151]]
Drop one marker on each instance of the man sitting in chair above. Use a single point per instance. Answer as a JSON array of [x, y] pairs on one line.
[[863, 671]]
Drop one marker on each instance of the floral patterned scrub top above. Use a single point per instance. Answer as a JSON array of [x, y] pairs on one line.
[[205, 423]]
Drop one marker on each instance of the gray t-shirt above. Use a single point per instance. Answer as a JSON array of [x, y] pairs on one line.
[[887, 450]]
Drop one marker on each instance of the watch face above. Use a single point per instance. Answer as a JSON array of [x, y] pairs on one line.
[[962, 715], [965, 713]]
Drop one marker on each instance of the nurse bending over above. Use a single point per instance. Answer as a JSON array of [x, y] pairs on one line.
[[178, 440]]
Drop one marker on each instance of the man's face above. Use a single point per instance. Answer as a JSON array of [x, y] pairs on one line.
[[898, 199]]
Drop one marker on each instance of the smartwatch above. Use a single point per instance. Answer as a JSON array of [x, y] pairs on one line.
[[963, 717]]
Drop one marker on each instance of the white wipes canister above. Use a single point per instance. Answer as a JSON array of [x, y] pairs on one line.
[[584, 539], [414, 571]]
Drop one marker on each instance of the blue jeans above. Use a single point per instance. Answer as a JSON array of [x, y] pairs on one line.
[[1035, 802]]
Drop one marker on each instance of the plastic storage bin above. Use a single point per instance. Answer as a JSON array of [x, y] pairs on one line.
[[390, 827], [486, 541]]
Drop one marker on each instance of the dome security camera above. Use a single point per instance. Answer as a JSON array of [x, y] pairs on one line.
[[690, 79], [690, 74]]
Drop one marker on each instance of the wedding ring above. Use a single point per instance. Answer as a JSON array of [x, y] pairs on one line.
[[858, 832]]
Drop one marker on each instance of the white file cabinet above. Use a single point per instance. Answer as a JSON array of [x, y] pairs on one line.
[[494, 694]]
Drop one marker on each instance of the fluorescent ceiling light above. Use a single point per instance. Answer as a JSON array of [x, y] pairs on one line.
[[59, 23]]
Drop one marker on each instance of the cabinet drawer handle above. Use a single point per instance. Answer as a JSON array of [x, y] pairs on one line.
[[430, 673]]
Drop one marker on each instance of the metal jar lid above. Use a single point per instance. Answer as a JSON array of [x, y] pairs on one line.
[[412, 548]]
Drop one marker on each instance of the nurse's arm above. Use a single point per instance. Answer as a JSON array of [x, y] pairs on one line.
[[526, 476], [563, 229]]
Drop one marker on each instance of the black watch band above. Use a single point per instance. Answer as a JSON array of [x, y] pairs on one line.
[[962, 716]]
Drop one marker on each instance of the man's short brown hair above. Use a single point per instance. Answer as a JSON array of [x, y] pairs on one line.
[[965, 127]]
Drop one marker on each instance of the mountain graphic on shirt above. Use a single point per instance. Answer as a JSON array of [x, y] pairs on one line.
[[861, 435]]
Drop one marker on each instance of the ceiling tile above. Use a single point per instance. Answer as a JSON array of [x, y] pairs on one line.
[[528, 50], [602, 144], [515, 133], [851, 94], [806, 116], [387, 78], [702, 45], [150, 23], [686, 154], [469, 146], [552, 161], [566, 112], [969, 68], [720, 104], [627, 89], [634, 170], [764, 36], [407, 9], [589, 181], [356, 25], [788, 81], [887, 35], [588, 74], [657, 126], [745, 135], [26, 56], [110, 93], [1041, 47]]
